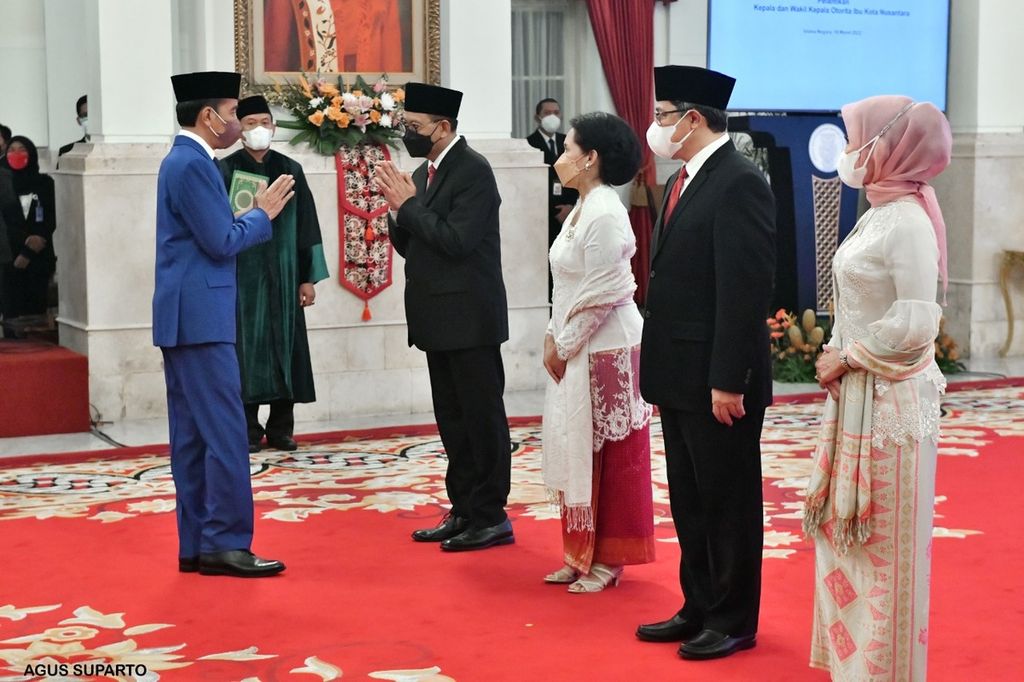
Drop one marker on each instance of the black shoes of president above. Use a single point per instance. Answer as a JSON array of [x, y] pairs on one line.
[[456, 535], [698, 643], [237, 563]]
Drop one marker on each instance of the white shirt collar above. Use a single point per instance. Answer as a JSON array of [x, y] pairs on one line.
[[693, 166], [444, 152], [545, 134], [192, 136]]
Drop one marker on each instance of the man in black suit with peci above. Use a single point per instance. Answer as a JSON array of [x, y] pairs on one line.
[[444, 221], [705, 359]]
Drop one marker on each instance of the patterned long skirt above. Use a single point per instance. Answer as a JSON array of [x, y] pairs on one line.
[[622, 502], [871, 604]]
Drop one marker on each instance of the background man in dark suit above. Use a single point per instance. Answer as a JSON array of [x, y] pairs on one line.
[[194, 302], [548, 114], [705, 359], [82, 117], [444, 221]]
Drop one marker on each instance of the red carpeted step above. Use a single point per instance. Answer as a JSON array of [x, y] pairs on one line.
[[43, 389]]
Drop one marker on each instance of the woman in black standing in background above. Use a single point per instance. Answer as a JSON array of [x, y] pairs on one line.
[[29, 233]]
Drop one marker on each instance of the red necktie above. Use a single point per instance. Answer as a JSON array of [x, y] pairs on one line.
[[673, 198], [431, 172]]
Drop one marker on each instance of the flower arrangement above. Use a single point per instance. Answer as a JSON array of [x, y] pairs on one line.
[[796, 345], [947, 353], [330, 116]]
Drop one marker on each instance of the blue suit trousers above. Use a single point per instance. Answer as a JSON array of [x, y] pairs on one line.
[[209, 448]]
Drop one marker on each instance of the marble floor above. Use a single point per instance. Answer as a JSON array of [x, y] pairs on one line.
[[130, 433]]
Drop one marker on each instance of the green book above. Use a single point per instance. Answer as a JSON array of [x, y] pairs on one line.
[[244, 187]]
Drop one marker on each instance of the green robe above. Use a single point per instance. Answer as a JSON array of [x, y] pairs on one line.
[[273, 351]]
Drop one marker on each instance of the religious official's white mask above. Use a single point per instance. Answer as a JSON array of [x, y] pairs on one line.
[[550, 124], [258, 138]]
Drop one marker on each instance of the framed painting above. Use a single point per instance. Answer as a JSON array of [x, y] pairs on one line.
[[277, 40]]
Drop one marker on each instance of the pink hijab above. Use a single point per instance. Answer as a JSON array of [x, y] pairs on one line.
[[913, 151]]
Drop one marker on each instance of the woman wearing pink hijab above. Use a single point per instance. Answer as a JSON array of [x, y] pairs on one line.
[[871, 494]]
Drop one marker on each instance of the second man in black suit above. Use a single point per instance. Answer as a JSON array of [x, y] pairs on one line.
[[444, 221], [705, 359]]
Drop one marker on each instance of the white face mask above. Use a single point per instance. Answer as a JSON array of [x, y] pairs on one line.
[[659, 138], [258, 138], [849, 172], [84, 122], [550, 124]]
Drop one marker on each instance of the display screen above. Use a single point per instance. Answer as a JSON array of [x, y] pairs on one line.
[[817, 55]]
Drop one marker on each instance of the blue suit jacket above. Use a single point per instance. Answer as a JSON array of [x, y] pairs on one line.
[[197, 239]]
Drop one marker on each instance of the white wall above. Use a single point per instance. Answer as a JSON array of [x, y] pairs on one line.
[[23, 70]]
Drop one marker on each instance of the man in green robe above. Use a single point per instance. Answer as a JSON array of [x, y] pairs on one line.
[[275, 283]]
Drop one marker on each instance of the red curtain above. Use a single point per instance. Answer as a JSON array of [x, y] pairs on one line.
[[624, 30]]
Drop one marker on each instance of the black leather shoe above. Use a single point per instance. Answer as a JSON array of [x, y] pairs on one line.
[[675, 629], [255, 447], [239, 563], [286, 443], [188, 564], [480, 538], [449, 527], [710, 644]]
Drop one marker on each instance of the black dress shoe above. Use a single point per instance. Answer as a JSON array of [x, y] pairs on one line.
[[710, 644], [239, 563], [286, 443], [449, 527], [480, 538], [188, 564], [675, 629], [255, 447]]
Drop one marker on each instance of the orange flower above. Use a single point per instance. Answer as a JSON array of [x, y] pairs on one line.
[[328, 90], [304, 84], [336, 101], [343, 120], [375, 116], [776, 335], [376, 102], [357, 93], [780, 314], [316, 118], [399, 95]]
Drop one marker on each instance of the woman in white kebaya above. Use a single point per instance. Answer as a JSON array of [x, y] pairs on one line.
[[597, 452], [872, 491]]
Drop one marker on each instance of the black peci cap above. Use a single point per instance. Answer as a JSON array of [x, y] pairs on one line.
[[421, 98], [257, 104], [693, 85], [189, 87]]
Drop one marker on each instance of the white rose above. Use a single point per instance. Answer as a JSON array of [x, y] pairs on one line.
[[387, 102], [316, 101], [385, 121]]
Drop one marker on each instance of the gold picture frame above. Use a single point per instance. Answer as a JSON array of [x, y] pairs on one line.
[[292, 51]]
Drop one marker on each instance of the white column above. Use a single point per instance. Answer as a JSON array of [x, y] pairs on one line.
[[129, 53], [983, 216], [67, 71], [476, 58]]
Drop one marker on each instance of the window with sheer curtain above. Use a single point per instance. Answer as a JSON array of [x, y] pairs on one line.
[[543, 58]]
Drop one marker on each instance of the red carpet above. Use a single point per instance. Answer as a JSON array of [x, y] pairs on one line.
[[361, 598], [45, 389]]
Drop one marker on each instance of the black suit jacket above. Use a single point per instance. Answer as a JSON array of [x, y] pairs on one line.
[[710, 288], [449, 236], [568, 196], [68, 147]]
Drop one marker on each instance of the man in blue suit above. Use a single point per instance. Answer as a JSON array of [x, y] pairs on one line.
[[197, 239]]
